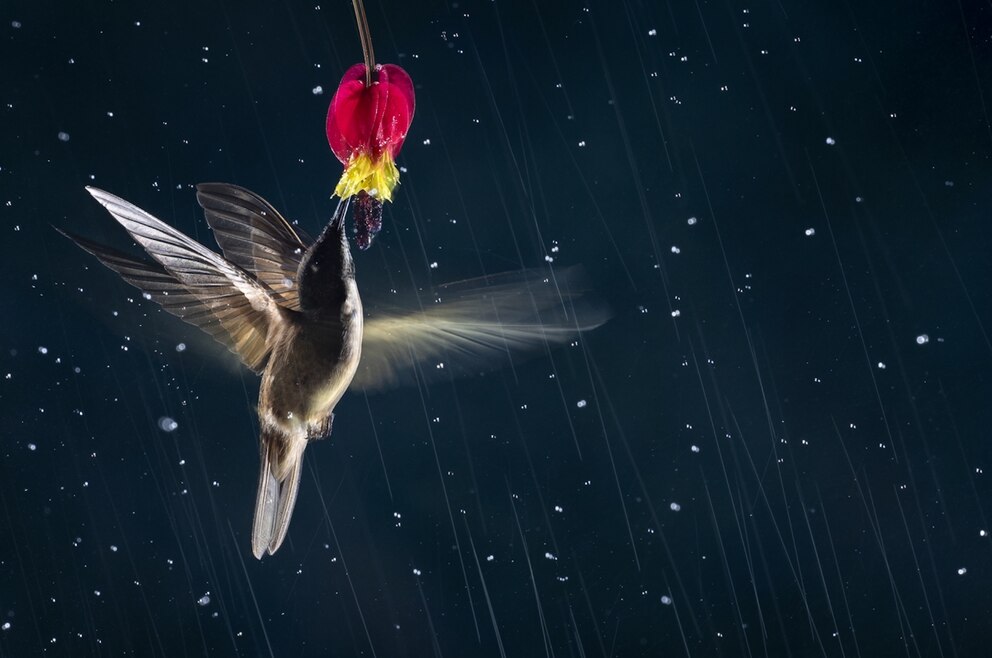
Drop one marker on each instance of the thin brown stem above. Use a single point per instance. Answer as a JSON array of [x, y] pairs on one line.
[[366, 38]]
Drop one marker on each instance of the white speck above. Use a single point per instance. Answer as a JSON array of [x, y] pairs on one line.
[[962, 571], [204, 600], [695, 448], [434, 265], [96, 592], [550, 556], [922, 339], [983, 533], [16, 25], [582, 143], [549, 259], [691, 221], [675, 507], [676, 313], [167, 424], [181, 347], [831, 141], [427, 142], [881, 365], [63, 136], [490, 558], [948, 183], [652, 32], [559, 509], [676, 250], [810, 232], [32, 447], [667, 600], [581, 404], [113, 548], [318, 90], [42, 350], [416, 572]]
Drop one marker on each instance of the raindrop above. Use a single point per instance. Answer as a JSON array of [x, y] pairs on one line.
[[167, 424], [922, 339], [831, 141], [204, 600], [667, 600], [63, 136]]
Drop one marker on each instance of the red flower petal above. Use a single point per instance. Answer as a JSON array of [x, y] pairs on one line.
[[372, 119]]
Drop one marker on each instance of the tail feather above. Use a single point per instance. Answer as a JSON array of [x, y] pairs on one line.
[[276, 497]]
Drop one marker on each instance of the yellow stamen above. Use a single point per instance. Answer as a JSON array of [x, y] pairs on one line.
[[378, 178]]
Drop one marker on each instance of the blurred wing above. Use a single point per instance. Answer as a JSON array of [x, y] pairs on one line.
[[477, 325], [189, 281], [253, 235]]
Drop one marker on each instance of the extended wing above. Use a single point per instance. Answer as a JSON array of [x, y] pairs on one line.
[[253, 235], [189, 281], [478, 324]]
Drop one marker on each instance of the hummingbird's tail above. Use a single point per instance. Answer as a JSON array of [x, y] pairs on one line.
[[278, 484]]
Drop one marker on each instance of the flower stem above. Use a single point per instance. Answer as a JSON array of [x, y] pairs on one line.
[[366, 39]]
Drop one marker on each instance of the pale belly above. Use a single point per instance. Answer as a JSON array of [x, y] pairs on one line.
[[305, 379]]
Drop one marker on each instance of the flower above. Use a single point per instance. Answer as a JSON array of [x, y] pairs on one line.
[[366, 127]]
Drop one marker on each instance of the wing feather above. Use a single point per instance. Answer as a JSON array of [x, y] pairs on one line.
[[476, 325], [253, 235], [189, 281]]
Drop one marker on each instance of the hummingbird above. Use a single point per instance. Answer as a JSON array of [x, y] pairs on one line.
[[289, 308]]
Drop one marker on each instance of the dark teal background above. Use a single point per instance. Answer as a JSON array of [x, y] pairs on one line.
[[832, 502]]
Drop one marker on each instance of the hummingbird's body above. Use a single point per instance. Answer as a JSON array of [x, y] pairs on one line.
[[314, 355], [291, 311]]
